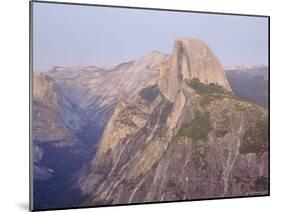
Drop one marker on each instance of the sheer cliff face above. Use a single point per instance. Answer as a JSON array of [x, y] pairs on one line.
[[191, 58], [186, 137]]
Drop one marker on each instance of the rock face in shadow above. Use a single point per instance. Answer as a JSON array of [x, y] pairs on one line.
[[186, 137]]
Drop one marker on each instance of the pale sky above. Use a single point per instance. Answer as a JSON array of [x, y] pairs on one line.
[[75, 35]]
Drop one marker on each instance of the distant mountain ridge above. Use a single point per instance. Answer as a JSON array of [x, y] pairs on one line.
[[251, 83], [98, 90], [245, 67]]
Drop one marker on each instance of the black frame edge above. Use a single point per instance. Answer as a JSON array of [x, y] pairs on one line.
[[30, 105], [268, 54], [149, 8]]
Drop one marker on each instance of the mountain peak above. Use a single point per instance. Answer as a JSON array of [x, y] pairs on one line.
[[153, 57], [195, 59], [191, 59], [190, 41]]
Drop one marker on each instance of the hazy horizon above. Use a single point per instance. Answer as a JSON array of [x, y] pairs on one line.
[[72, 35]]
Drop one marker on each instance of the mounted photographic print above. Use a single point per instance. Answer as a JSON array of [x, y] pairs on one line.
[[138, 105]]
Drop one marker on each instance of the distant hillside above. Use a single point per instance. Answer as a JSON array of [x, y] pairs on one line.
[[250, 84]]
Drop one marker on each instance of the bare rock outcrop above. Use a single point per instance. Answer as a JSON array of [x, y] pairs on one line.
[[207, 149], [191, 58], [55, 118], [186, 137]]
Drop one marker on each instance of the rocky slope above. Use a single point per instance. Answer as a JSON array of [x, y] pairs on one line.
[[55, 118], [58, 150], [185, 137], [70, 107], [56, 121], [97, 90]]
